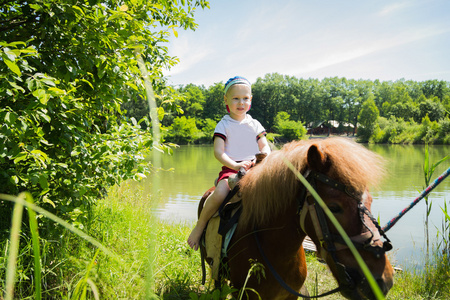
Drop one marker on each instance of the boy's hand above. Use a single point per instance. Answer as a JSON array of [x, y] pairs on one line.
[[244, 164]]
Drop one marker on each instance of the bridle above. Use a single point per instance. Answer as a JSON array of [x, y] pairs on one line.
[[332, 243]]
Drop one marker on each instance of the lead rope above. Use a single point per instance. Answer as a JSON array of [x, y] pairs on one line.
[[421, 196]]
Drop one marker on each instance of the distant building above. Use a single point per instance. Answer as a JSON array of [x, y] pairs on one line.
[[331, 127]]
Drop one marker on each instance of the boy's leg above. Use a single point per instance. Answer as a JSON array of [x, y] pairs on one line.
[[212, 204]]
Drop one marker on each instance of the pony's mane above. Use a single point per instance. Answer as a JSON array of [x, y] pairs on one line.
[[270, 187]]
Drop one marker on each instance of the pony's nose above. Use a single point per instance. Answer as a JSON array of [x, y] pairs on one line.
[[383, 286]]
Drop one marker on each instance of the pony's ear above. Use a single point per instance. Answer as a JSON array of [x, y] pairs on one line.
[[318, 160]]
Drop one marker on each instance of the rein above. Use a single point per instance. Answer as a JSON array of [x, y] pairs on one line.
[[327, 239], [281, 281]]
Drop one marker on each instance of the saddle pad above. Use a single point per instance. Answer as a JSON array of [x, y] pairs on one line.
[[216, 245], [213, 245]]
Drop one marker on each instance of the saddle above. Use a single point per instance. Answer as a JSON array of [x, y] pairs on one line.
[[219, 231], [221, 227]]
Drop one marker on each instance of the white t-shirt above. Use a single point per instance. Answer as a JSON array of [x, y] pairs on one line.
[[241, 138]]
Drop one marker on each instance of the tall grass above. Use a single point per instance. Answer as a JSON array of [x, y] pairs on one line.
[[428, 171], [123, 223], [75, 263]]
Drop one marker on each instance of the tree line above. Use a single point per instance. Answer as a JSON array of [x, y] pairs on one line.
[[402, 111]]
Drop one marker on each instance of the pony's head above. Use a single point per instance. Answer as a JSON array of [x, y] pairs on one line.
[[342, 172]]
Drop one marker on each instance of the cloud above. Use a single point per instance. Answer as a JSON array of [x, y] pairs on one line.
[[302, 38], [393, 7], [189, 51], [347, 52]]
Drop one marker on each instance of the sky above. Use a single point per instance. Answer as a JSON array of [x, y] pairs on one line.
[[356, 39]]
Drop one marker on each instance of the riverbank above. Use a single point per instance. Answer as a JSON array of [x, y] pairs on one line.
[[151, 260]]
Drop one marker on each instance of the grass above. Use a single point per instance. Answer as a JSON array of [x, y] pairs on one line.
[[155, 261], [177, 271]]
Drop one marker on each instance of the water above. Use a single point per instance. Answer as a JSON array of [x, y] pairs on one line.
[[195, 168]]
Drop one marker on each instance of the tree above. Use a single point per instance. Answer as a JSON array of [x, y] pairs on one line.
[[194, 100], [291, 130], [405, 111], [368, 117], [183, 131], [66, 67], [432, 108], [214, 103], [268, 95]]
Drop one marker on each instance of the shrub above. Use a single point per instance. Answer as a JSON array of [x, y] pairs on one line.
[[291, 130], [183, 131], [207, 127]]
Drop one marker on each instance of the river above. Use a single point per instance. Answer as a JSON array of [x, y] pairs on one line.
[[191, 170]]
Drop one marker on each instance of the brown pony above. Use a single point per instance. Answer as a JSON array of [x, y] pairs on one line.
[[278, 212]]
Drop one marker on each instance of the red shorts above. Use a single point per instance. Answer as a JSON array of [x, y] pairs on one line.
[[225, 173]]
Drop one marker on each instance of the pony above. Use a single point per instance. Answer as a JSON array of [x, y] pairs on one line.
[[278, 212]]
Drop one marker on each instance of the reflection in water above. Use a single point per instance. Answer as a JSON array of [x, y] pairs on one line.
[[195, 169]]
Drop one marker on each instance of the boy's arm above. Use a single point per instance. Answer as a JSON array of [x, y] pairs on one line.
[[263, 145], [219, 153]]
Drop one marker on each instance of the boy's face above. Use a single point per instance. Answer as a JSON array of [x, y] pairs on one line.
[[239, 99]]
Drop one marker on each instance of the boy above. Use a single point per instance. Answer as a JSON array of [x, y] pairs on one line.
[[237, 138]]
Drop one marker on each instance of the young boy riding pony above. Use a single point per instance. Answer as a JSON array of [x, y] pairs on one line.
[[237, 138]]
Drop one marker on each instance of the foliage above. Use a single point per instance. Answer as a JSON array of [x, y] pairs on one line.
[[207, 127], [398, 131], [444, 244], [123, 222], [65, 70], [368, 116], [346, 101], [214, 103], [428, 171], [182, 131], [291, 130]]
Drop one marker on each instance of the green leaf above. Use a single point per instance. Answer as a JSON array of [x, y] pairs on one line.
[[14, 179], [19, 157], [62, 165], [78, 9], [56, 91], [140, 176], [10, 118], [175, 33], [132, 85], [82, 190], [48, 81], [13, 67], [40, 155], [44, 116], [44, 191], [14, 85], [90, 84], [160, 113], [36, 7], [10, 54], [41, 95], [45, 199], [446, 214]]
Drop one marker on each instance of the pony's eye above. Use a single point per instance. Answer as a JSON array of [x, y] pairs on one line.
[[335, 208]]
